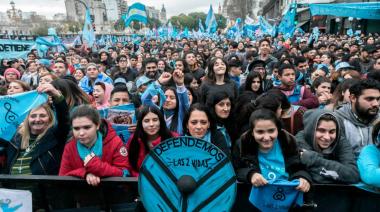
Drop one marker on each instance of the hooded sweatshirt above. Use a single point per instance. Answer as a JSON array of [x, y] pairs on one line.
[[336, 164], [357, 132]]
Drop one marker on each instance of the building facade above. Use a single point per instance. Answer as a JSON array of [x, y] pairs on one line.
[[233, 9]]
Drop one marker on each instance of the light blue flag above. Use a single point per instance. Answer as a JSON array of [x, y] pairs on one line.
[[364, 10], [52, 31], [350, 32], [136, 12], [185, 33], [88, 34], [15, 108], [266, 27], [200, 25], [279, 195], [287, 25], [211, 23]]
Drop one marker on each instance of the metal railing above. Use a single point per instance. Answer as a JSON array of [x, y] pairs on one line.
[[57, 193]]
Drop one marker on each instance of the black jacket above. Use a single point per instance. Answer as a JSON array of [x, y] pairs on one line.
[[246, 161], [46, 158]]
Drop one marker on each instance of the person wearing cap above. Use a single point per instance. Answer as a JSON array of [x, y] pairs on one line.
[[369, 160], [343, 67], [235, 71], [11, 74], [303, 43], [93, 75], [259, 67], [365, 58]]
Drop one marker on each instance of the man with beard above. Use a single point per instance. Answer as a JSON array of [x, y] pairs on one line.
[[359, 115], [150, 68], [365, 58]]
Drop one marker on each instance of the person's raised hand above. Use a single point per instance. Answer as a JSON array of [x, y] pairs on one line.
[[164, 78], [178, 77], [49, 89]]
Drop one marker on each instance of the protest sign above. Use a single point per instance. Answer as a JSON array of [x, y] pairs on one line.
[[187, 174], [15, 48], [279, 195], [15, 200], [15, 108], [120, 117]]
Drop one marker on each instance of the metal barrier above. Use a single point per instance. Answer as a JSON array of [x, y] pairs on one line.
[[56, 193]]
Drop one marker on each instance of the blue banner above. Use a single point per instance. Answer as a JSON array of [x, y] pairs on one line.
[[15, 108], [15, 48], [365, 10]]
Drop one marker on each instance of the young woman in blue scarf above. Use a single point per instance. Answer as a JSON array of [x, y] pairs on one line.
[[95, 151], [266, 152]]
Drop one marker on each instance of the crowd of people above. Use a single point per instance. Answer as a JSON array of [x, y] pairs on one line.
[[279, 108]]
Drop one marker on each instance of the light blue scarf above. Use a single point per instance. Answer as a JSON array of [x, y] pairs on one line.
[[97, 148]]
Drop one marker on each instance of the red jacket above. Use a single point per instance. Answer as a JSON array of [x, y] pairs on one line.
[[133, 172], [111, 164]]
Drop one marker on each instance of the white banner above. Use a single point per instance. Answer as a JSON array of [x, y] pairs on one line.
[[15, 200]]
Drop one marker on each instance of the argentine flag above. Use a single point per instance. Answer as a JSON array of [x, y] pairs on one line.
[[136, 12], [211, 21], [200, 25], [88, 34]]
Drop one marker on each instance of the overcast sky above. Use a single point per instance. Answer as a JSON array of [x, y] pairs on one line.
[[173, 7]]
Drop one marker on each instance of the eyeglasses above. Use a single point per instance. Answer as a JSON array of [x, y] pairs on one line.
[[122, 61], [92, 69]]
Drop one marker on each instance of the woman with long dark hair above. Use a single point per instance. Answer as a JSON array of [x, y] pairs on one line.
[[266, 152], [150, 131], [254, 83], [217, 80], [220, 106]]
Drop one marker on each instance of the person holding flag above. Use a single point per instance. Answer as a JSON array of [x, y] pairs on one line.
[[37, 147]]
